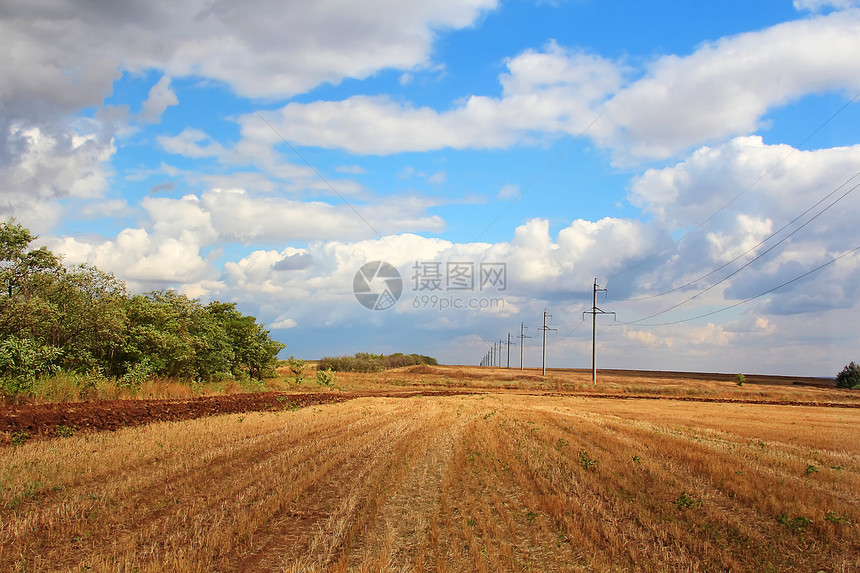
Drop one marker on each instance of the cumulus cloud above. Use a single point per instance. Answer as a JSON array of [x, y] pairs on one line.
[[553, 91], [256, 54], [726, 87], [744, 199], [723, 89], [743, 175], [65, 58], [160, 98], [49, 164]]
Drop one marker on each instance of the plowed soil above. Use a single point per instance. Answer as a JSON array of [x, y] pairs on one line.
[[47, 420]]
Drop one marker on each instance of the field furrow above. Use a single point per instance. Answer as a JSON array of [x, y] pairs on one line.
[[495, 482]]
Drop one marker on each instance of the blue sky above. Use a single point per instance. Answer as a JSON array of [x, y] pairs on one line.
[[687, 155]]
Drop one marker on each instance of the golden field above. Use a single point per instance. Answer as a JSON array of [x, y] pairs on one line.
[[522, 474]]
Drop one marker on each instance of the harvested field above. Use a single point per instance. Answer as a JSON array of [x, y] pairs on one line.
[[484, 482]]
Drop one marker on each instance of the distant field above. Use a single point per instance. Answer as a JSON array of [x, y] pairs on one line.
[[523, 473]]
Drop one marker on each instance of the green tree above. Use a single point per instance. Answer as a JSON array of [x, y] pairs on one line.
[[254, 351], [25, 276], [81, 319], [849, 377]]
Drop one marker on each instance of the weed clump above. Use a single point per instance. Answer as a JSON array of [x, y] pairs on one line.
[[586, 461], [687, 501], [798, 523]]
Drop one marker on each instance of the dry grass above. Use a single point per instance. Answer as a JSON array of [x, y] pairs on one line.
[[495, 482]]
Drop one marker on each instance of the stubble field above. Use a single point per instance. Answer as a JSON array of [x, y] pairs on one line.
[[522, 478]]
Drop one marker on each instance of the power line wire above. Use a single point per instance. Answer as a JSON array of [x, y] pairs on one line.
[[795, 279], [698, 227], [760, 243], [748, 263]]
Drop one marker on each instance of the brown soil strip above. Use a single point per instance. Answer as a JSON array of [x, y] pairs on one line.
[[44, 420]]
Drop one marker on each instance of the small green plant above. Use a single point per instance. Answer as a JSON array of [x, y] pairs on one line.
[[798, 523], [325, 377], [687, 501], [741, 379], [836, 518], [287, 403], [297, 367], [531, 516], [811, 469], [19, 437], [585, 460], [637, 460], [66, 431], [560, 444]]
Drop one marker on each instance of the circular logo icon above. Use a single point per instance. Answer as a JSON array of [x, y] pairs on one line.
[[377, 285]]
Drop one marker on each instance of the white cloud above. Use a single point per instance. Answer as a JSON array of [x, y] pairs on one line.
[[160, 98], [193, 143], [50, 165], [283, 323], [821, 5], [262, 48], [743, 175], [723, 89], [144, 259], [552, 91]]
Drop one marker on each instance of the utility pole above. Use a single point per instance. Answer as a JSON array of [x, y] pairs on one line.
[[544, 328], [509, 349], [594, 312], [522, 341]]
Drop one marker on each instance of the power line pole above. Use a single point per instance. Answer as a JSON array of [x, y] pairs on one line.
[[594, 312], [544, 328], [522, 341], [509, 349]]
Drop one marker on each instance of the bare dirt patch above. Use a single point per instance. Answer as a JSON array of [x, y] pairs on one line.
[[49, 420]]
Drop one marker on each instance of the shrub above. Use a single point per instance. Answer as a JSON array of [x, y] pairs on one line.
[[297, 367], [325, 377], [368, 362], [849, 377]]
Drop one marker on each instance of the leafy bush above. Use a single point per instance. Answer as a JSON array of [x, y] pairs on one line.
[[297, 367], [78, 320], [849, 377], [325, 378]]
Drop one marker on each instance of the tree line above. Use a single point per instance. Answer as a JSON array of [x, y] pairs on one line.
[[78, 319], [369, 362]]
